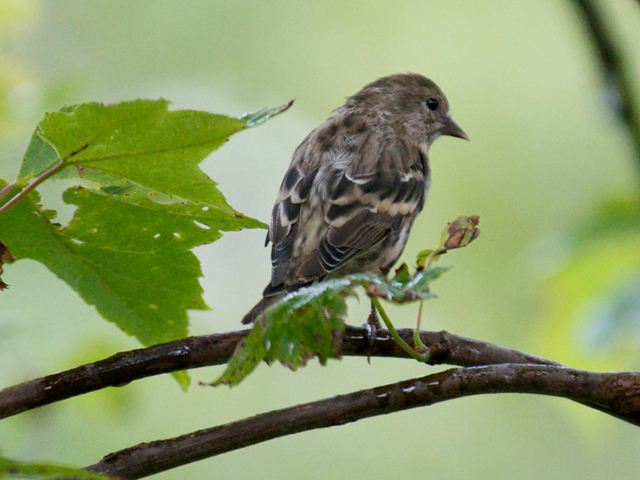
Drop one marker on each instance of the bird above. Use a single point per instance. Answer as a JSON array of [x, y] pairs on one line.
[[355, 185]]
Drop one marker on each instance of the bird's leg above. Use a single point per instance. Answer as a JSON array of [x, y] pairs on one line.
[[373, 322], [372, 326]]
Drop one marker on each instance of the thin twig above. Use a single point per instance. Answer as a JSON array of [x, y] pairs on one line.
[[614, 393], [216, 349], [63, 162], [6, 190], [31, 185], [617, 74]]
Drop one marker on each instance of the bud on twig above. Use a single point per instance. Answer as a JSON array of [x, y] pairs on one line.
[[461, 232]]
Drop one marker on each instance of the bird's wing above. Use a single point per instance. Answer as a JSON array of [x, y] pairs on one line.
[[363, 203], [344, 192], [294, 193]]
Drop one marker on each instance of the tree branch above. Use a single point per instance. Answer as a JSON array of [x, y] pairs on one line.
[[617, 75], [207, 350], [491, 369], [614, 393]]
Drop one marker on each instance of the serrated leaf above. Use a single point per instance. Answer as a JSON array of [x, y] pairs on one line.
[[35, 470], [248, 355], [307, 323], [140, 151], [143, 205], [144, 290]]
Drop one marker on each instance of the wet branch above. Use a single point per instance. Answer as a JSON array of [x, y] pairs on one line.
[[207, 350], [489, 369], [617, 74], [615, 393]]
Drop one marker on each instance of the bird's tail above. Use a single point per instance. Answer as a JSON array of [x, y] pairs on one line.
[[260, 307]]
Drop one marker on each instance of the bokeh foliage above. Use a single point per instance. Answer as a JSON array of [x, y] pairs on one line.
[[42, 471], [594, 294], [521, 80]]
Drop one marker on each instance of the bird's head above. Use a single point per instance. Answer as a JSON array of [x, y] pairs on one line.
[[409, 102]]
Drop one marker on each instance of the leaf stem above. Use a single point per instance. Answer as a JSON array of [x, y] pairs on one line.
[[394, 333], [7, 188], [417, 341], [432, 257], [33, 184]]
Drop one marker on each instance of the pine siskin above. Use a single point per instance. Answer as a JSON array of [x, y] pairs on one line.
[[355, 185]]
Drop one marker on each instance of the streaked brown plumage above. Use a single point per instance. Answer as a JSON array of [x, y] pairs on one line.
[[355, 185]]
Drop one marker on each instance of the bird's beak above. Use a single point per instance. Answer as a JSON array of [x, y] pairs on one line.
[[452, 129]]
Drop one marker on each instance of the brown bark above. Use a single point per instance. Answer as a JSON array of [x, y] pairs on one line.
[[615, 393], [194, 352]]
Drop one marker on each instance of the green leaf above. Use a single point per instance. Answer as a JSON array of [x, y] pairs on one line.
[[144, 290], [11, 468], [248, 355], [308, 322], [143, 204], [139, 151], [402, 273]]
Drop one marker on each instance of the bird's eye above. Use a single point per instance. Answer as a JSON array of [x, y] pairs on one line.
[[432, 103]]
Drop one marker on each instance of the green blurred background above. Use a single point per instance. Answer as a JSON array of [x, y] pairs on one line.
[[523, 82]]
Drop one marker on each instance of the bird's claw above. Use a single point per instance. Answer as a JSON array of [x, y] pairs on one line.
[[372, 326]]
